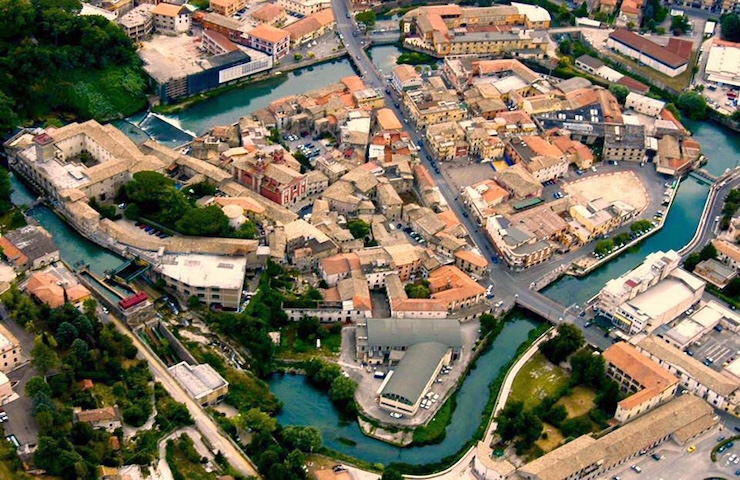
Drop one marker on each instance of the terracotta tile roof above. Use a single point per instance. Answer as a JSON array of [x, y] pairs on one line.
[[12, 253], [168, 9], [634, 85], [653, 50], [44, 287], [472, 258], [387, 119], [729, 250], [268, 33], [353, 83], [653, 378], [267, 13], [98, 414]]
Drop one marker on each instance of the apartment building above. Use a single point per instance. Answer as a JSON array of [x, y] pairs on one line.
[[138, 23], [447, 140], [519, 248], [271, 40], [10, 350], [643, 104], [481, 197], [171, 19], [624, 143], [544, 160], [405, 77], [311, 27], [645, 383], [471, 262], [433, 103], [269, 173], [269, 14], [227, 8], [454, 288], [304, 7]]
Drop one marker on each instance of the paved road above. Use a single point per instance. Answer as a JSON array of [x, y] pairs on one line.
[[710, 226], [203, 422]]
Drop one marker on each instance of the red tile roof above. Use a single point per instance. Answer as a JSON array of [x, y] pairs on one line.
[[652, 50]]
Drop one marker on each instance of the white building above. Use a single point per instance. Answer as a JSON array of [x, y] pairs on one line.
[[671, 60], [171, 19], [213, 279], [645, 105], [723, 63], [202, 382], [304, 7], [650, 295]]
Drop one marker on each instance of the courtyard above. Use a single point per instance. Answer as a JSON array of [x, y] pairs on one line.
[[624, 186]]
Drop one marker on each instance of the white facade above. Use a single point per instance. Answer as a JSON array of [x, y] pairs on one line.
[[645, 105], [169, 24], [304, 7], [642, 58]]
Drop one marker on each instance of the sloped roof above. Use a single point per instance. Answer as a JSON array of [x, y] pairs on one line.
[[414, 371]]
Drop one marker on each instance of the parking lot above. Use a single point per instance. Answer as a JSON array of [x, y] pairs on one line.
[[720, 347]]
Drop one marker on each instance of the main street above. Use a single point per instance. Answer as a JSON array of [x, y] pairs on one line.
[[710, 226]]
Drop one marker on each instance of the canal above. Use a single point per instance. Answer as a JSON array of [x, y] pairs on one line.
[[303, 404]]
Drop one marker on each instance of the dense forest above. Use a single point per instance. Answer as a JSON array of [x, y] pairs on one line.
[[54, 63]]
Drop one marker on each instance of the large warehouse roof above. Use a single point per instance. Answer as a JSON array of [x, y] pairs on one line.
[[417, 366], [402, 332]]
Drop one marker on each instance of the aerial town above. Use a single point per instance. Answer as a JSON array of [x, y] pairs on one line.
[[361, 240]]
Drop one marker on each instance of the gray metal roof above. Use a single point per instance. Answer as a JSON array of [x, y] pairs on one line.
[[402, 332], [414, 371]]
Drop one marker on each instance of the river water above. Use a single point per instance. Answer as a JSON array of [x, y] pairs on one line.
[[303, 404]]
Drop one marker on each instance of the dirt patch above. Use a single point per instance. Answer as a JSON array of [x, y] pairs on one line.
[[462, 175], [579, 402], [624, 186], [553, 440]]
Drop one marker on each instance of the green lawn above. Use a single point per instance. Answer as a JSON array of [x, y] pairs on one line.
[[185, 464], [553, 440], [537, 380], [434, 432], [293, 347], [579, 402]]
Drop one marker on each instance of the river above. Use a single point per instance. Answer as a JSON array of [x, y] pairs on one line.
[[303, 404]]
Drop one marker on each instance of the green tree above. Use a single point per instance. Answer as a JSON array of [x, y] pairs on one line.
[[66, 334], [582, 10], [193, 302], [256, 420], [37, 385], [575, 427], [5, 186], [342, 389], [587, 368], [730, 27], [391, 474], [556, 415], [693, 105], [680, 24], [620, 92], [568, 340], [43, 358], [359, 228], [565, 46], [305, 439], [367, 17], [420, 290], [641, 226], [209, 221], [603, 247]]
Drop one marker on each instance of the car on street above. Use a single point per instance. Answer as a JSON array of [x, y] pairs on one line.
[[396, 415], [636, 468], [691, 449]]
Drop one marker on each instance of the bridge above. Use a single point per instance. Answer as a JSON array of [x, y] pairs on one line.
[[703, 176]]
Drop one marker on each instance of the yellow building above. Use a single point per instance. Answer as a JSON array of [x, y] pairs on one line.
[[433, 103]]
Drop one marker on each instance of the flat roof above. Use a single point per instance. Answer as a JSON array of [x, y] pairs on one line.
[[205, 270]]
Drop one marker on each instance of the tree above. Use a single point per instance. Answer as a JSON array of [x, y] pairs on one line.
[[367, 17], [587, 368], [391, 474], [297, 57], [359, 228], [603, 247], [208, 221], [305, 439], [608, 397], [420, 290], [706, 253], [256, 420], [582, 10], [342, 389], [575, 427], [513, 422], [5, 186], [193, 302], [641, 226], [622, 238], [680, 24], [487, 323], [693, 105], [730, 27], [620, 92], [568, 340], [43, 358], [66, 334], [556, 415], [565, 46], [37, 385]]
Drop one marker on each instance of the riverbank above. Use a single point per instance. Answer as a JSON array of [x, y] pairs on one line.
[[274, 74]]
